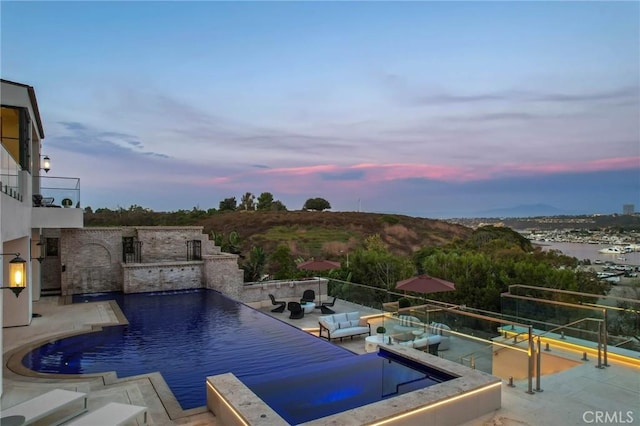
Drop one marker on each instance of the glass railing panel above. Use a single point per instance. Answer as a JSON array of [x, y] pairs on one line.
[[9, 174], [557, 308], [58, 192]]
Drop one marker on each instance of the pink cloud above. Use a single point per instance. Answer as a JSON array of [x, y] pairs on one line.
[[297, 179]]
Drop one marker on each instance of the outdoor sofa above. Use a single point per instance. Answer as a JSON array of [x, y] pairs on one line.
[[408, 323], [422, 341], [343, 325]]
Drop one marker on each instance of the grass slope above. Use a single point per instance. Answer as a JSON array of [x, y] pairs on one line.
[[327, 234]]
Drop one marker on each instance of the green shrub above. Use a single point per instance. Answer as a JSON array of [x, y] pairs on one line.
[[391, 220], [403, 302]]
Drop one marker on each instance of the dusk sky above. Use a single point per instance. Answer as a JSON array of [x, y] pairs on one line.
[[433, 109]]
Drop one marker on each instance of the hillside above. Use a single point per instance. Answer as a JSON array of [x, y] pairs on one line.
[[327, 234]]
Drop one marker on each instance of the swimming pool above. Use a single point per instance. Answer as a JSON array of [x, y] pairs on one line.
[[302, 394], [189, 335]]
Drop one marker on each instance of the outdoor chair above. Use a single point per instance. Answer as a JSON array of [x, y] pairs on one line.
[[308, 296], [433, 349], [37, 200], [296, 310], [325, 307], [279, 304]]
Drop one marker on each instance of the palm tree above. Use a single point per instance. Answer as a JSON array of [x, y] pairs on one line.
[[247, 202], [255, 265]]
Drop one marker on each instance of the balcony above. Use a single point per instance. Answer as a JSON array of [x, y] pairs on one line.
[[9, 175], [57, 204]]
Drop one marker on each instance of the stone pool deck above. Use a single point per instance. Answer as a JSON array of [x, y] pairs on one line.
[[571, 397]]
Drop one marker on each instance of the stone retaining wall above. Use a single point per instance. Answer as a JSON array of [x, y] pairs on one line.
[[148, 277], [256, 294], [91, 261]]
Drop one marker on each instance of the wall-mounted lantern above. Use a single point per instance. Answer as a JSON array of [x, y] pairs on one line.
[[46, 164], [17, 274], [40, 253]]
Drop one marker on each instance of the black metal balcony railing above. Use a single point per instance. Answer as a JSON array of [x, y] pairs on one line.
[[194, 250], [58, 192], [131, 251]]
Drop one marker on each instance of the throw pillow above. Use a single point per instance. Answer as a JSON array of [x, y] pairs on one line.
[[351, 316], [344, 324]]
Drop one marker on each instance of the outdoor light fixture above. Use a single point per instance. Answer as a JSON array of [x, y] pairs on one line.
[[40, 257], [46, 164], [17, 273]]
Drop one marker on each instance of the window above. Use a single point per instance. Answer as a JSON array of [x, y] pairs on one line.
[[51, 247], [14, 134]]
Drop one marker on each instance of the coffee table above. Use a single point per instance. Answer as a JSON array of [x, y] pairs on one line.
[[308, 307], [371, 343]]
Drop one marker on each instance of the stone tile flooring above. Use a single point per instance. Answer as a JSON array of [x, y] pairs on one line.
[[568, 398]]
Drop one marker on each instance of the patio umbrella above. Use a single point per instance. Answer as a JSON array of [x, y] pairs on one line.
[[318, 265], [425, 284]]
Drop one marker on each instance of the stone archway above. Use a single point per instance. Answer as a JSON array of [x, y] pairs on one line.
[[91, 269]]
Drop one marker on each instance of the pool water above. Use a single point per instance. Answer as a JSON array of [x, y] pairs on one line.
[[302, 394], [189, 335]]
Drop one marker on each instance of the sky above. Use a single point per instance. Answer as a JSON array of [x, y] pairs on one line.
[[429, 109]]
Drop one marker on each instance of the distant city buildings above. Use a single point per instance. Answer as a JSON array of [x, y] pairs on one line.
[[628, 209]]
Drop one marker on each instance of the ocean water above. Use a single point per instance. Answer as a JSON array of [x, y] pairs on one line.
[[590, 251]]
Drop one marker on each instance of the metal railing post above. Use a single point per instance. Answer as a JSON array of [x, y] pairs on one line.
[[604, 337], [538, 366], [531, 350], [599, 346]]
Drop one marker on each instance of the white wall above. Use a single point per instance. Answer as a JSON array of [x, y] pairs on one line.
[[15, 226], [16, 311]]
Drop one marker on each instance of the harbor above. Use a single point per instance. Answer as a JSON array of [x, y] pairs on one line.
[[592, 252]]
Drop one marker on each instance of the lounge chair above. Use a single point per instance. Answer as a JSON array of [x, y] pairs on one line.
[[308, 296], [114, 413], [325, 308], [279, 304], [48, 405], [296, 310]]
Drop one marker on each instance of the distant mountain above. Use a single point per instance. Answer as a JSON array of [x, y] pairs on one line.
[[530, 210]]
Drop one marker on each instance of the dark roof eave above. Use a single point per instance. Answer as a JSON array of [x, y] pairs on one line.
[[34, 104]]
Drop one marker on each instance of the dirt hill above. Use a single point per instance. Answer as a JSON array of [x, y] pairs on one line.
[[327, 234]]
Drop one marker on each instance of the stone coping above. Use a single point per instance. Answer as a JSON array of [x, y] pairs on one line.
[[461, 393]]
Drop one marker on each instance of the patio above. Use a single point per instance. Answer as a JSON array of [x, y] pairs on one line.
[[568, 395]]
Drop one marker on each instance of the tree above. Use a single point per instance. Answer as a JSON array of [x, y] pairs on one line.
[[228, 204], [318, 204], [265, 200], [277, 206], [281, 263], [247, 202], [255, 264]]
